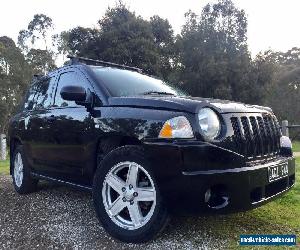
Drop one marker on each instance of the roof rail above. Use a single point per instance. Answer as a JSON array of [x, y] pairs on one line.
[[76, 60]]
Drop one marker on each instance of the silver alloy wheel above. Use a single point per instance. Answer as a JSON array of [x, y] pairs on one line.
[[18, 170], [129, 195]]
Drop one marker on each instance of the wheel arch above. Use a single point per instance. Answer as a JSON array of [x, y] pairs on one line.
[[112, 142]]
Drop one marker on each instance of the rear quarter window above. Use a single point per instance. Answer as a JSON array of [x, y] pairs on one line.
[[39, 94], [44, 93], [28, 102]]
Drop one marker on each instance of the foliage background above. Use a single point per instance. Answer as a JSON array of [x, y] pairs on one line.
[[209, 58]]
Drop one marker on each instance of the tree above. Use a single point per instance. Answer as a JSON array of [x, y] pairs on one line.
[[39, 27], [125, 38], [60, 41], [164, 41], [79, 41], [38, 30], [284, 91], [41, 61], [15, 75], [38, 34], [261, 77], [213, 54]]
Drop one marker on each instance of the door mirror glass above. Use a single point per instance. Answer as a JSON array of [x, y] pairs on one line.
[[73, 93]]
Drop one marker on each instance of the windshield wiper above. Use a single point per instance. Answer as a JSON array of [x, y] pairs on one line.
[[157, 93]]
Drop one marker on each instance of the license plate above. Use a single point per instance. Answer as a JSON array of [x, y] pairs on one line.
[[278, 171]]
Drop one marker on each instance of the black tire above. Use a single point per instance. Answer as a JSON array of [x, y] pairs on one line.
[[159, 218], [28, 184]]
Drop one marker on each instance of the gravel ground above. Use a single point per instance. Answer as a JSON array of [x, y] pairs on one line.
[[57, 217]]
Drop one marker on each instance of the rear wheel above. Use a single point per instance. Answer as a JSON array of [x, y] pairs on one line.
[[22, 180], [127, 197]]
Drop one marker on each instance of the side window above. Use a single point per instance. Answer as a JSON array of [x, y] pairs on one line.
[[69, 78], [29, 100], [43, 95]]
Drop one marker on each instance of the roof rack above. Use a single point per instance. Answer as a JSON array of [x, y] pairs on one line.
[[76, 60]]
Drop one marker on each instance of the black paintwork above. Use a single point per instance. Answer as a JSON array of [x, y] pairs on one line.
[[64, 143]]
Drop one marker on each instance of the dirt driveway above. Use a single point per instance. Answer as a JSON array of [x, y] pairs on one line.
[[61, 218]]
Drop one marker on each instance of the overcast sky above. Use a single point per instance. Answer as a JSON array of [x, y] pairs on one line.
[[271, 24]]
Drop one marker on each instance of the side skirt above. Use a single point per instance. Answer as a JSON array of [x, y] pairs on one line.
[[66, 183]]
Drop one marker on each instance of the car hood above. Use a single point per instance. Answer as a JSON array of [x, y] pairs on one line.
[[186, 104]]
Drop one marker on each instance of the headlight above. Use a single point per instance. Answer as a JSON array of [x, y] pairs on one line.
[[209, 123], [177, 127]]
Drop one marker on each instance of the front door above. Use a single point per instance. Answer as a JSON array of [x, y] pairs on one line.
[[71, 130]]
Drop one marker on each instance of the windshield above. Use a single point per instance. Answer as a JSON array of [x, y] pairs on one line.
[[121, 82]]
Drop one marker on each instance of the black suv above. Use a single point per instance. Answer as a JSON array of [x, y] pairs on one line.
[[144, 149]]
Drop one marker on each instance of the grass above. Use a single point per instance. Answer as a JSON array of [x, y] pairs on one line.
[[281, 216], [4, 167], [296, 146]]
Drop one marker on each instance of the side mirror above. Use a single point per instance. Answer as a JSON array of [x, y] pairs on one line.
[[73, 93]]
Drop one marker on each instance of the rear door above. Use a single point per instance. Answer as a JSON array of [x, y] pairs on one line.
[[37, 123], [25, 127]]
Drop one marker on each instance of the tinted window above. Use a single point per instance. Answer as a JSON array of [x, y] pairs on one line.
[[29, 98], [129, 83], [43, 94], [68, 78]]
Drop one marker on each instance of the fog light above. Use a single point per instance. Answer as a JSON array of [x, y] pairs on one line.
[[216, 197]]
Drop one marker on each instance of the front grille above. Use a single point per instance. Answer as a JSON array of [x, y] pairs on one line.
[[256, 136]]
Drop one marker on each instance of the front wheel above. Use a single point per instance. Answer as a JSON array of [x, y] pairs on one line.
[[126, 196]]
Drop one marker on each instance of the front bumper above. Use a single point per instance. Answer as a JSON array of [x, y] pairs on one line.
[[200, 177]]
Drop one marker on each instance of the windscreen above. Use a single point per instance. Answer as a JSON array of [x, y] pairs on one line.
[[121, 82]]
